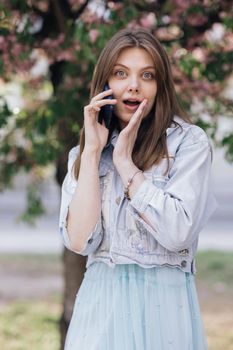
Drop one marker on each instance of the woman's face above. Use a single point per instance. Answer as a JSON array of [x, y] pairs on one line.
[[132, 80]]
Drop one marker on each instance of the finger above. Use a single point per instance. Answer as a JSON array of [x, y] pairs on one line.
[[91, 114], [96, 106], [137, 116], [102, 95], [92, 108], [105, 102], [141, 108]]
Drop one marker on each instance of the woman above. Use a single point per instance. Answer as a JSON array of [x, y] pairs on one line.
[[134, 200]]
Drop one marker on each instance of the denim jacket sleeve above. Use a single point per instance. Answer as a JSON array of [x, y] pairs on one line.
[[68, 188], [178, 211]]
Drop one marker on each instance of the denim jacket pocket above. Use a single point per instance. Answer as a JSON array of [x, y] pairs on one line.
[[158, 174], [158, 180]]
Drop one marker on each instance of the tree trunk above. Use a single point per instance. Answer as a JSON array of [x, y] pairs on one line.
[[74, 268], [74, 265]]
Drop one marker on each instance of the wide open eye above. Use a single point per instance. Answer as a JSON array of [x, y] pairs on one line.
[[120, 73], [148, 75]]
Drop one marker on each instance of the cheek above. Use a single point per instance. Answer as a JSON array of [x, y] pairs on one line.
[[118, 87], [114, 86], [151, 100], [154, 89], [150, 91]]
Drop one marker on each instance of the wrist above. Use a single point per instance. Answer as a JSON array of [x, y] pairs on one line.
[[126, 169], [91, 154], [129, 183], [124, 163]]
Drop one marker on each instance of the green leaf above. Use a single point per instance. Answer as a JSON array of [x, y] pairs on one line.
[[5, 113], [219, 67], [227, 21], [34, 206], [227, 143]]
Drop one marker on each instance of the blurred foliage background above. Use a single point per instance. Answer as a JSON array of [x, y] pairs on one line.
[[48, 50]]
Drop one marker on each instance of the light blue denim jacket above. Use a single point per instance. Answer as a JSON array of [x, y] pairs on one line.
[[177, 205]]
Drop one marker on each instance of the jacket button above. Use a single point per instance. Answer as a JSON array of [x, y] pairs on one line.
[[183, 263], [90, 240], [184, 252]]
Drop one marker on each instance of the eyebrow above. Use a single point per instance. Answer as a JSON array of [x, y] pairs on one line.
[[122, 65]]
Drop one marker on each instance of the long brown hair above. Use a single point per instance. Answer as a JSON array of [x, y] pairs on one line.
[[150, 146]]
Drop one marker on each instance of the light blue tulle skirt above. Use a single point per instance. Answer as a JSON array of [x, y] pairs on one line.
[[132, 308]]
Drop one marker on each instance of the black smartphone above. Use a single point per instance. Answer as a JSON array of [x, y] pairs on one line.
[[106, 111]]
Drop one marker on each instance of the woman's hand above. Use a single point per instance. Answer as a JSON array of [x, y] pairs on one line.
[[123, 149], [96, 134]]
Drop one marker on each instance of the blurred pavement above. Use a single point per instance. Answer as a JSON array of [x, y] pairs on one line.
[[16, 237]]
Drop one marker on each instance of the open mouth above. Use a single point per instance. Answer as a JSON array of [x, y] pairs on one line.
[[131, 103]]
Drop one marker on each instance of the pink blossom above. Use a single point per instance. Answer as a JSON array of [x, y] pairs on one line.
[[12, 38], [61, 38], [184, 4], [3, 43], [16, 50], [169, 33], [75, 4], [47, 42], [89, 17], [115, 6], [148, 21], [227, 45], [196, 19], [43, 5], [216, 34], [132, 24], [66, 55], [93, 35], [199, 54], [166, 19]]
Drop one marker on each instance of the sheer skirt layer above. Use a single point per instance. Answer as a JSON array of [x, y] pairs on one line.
[[132, 308]]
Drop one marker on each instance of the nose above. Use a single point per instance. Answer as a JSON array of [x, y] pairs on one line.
[[133, 85], [133, 89]]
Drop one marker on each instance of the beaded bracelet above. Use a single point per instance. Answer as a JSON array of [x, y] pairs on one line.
[[130, 180]]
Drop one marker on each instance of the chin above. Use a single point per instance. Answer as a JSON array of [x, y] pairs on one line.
[[123, 118], [123, 122]]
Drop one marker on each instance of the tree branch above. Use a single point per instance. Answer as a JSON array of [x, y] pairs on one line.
[[76, 14], [38, 11], [61, 20]]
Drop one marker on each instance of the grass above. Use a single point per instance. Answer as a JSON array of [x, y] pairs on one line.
[[33, 324], [48, 261], [28, 325], [215, 268], [215, 289]]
